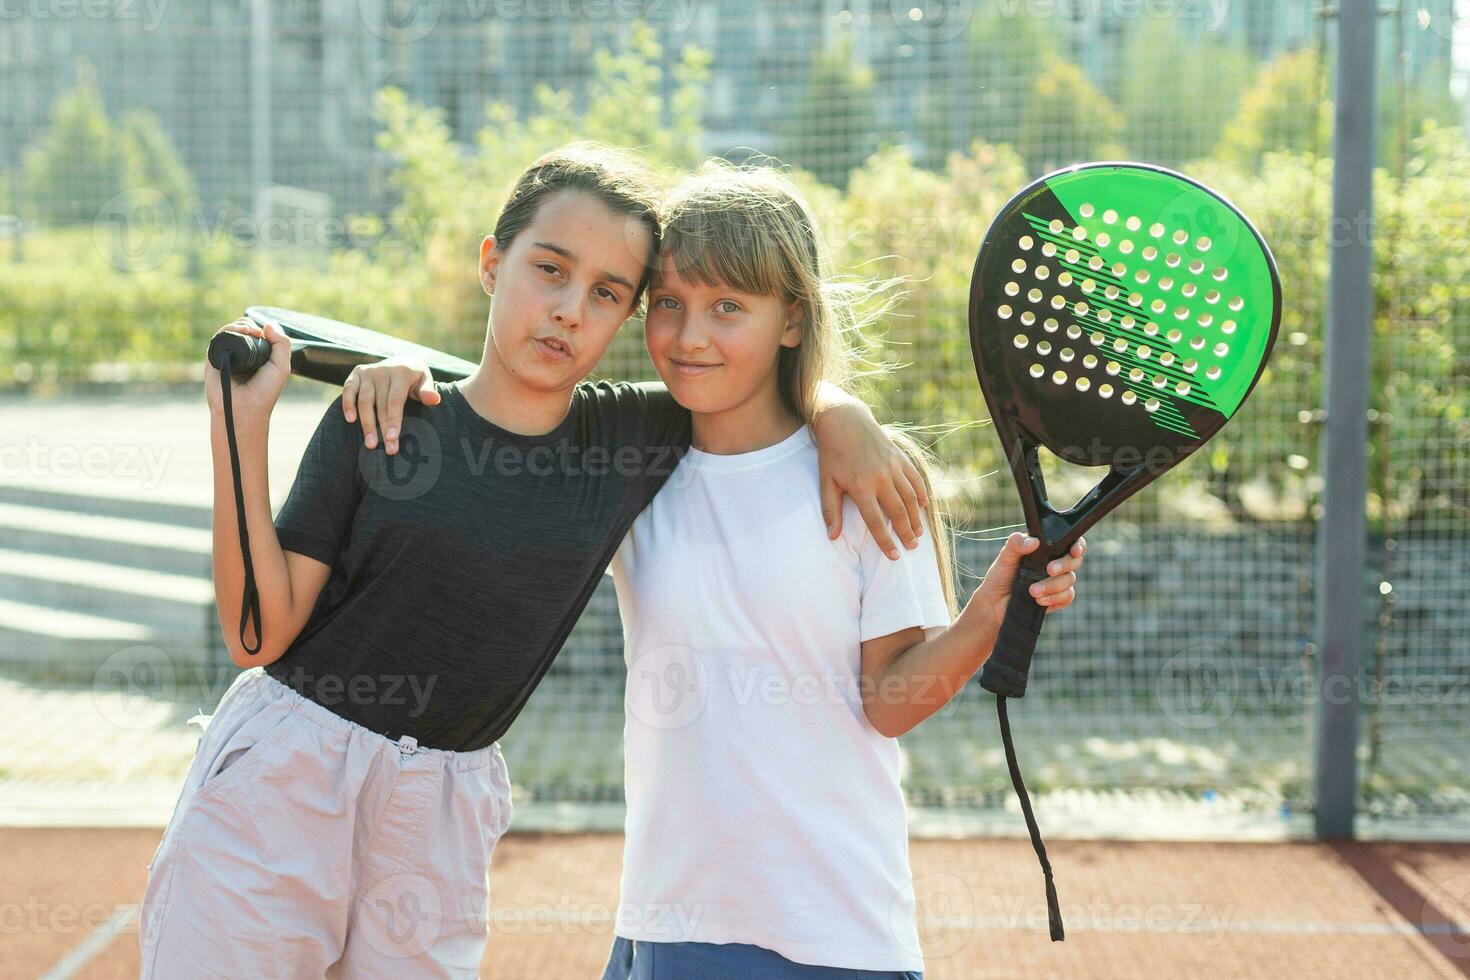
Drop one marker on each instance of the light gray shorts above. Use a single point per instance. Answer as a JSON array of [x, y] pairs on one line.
[[304, 845]]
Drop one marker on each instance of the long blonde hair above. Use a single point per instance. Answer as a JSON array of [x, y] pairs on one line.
[[750, 228]]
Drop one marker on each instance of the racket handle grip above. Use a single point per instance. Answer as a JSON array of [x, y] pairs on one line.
[[246, 354], [1005, 672]]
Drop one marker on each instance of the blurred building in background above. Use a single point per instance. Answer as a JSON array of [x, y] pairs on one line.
[[922, 67]]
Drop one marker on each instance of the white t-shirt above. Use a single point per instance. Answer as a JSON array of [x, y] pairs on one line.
[[763, 807]]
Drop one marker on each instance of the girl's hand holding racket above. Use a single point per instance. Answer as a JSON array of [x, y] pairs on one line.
[[994, 594], [377, 393], [252, 398]]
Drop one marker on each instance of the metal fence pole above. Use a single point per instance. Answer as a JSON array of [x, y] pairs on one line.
[[1341, 544], [260, 114]]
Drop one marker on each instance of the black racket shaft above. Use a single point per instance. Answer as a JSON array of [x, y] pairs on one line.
[[238, 355], [319, 360], [1009, 664]]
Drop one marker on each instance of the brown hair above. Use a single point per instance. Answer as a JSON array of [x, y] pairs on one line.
[[617, 178], [749, 228]]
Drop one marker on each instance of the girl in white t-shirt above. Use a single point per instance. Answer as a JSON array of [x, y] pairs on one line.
[[771, 667]]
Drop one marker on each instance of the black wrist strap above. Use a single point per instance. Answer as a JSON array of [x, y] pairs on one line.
[[1053, 908], [250, 600]]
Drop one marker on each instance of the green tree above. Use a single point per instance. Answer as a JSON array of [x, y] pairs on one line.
[[1007, 52], [1285, 108], [922, 228], [74, 167], [1177, 93], [832, 130], [1426, 102], [150, 161], [449, 197], [1067, 119]]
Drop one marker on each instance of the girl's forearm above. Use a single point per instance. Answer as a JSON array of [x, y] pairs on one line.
[[923, 678], [272, 578], [830, 396]]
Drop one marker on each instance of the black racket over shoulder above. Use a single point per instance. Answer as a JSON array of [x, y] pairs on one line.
[[1120, 314], [324, 349]]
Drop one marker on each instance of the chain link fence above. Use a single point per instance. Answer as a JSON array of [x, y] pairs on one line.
[[163, 165]]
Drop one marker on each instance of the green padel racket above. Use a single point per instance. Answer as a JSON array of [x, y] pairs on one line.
[[1120, 313]]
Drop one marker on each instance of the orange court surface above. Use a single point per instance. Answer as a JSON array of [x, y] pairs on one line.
[[1299, 909]]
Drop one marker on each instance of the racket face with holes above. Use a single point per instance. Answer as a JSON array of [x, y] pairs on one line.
[[1120, 314]]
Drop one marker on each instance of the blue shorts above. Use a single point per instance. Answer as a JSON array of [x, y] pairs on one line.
[[632, 960]]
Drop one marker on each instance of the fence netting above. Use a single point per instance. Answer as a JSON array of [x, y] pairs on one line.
[[163, 165]]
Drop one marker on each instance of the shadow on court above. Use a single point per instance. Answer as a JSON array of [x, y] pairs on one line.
[[68, 898]]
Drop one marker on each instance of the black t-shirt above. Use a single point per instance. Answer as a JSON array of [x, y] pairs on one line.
[[460, 564]]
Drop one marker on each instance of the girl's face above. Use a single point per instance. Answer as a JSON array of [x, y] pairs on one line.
[[715, 347], [562, 288]]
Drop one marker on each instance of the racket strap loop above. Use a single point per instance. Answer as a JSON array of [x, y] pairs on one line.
[[250, 600], [1053, 907]]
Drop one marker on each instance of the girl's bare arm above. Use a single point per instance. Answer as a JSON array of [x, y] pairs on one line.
[[287, 583], [906, 678]]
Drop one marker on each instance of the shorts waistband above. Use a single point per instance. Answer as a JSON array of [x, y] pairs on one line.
[[267, 686]]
